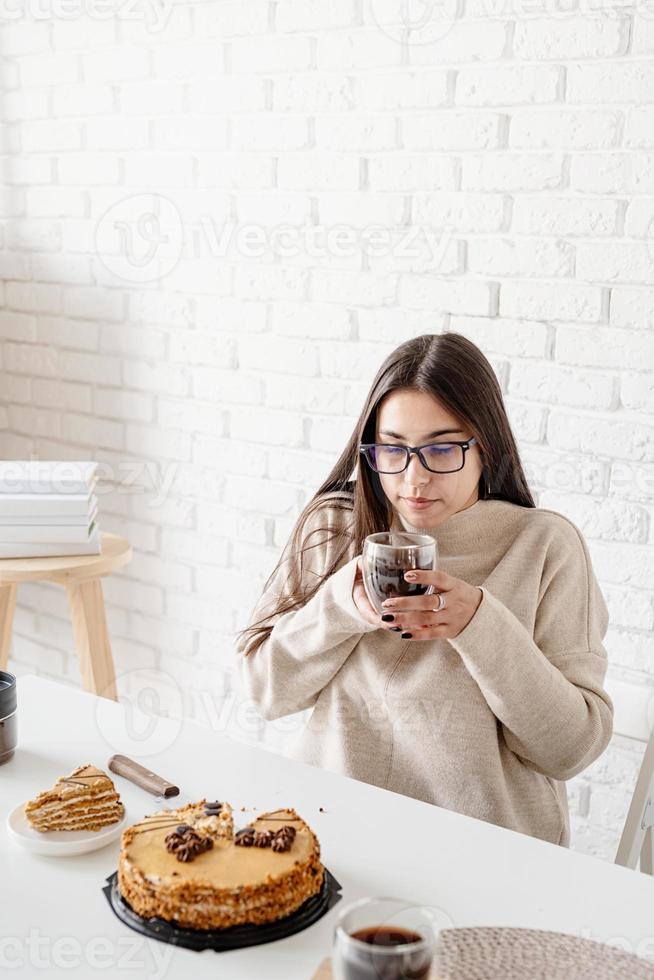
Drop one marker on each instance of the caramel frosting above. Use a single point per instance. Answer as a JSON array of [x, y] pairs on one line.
[[226, 885], [147, 837]]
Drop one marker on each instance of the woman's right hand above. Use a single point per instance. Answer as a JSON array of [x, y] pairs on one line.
[[361, 600]]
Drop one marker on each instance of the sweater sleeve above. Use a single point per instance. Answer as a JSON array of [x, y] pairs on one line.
[[547, 689], [307, 645]]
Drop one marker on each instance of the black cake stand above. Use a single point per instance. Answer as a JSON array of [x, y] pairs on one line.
[[221, 939]]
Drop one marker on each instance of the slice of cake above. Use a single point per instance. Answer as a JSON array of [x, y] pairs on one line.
[[84, 800], [189, 867]]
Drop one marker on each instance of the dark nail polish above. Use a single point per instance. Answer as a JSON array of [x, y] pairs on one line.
[[407, 636], [396, 629], [388, 618]]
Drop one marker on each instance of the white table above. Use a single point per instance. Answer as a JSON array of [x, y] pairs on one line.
[[374, 842]]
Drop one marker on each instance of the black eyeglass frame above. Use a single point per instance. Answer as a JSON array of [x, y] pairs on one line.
[[465, 445]]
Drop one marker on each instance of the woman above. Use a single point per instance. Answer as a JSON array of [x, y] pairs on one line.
[[483, 699]]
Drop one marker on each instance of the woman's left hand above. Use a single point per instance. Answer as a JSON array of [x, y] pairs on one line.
[[415, 614]]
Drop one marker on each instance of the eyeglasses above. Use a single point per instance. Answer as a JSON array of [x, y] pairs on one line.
[[441, 457]]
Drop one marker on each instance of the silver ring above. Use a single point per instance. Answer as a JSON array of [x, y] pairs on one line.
[[441, 602]]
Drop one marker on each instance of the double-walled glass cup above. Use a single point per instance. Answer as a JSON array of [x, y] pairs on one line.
[[385, 939], [387, 556]]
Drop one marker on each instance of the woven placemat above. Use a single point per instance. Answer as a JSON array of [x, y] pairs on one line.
[[490, 953]]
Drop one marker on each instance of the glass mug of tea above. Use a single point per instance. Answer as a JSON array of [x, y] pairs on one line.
[[387, 556], [385, 939]]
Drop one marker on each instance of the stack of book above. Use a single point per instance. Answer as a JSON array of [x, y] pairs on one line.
[[48, 508]]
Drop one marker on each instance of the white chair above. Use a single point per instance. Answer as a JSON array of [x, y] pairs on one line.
[[634, 718]]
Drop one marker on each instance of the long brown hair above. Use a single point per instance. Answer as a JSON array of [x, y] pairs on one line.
[[456, 372]]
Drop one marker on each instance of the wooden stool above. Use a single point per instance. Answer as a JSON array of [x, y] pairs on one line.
[[81, 575]]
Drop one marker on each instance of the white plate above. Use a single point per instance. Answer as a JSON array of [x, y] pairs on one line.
[[60, 842]]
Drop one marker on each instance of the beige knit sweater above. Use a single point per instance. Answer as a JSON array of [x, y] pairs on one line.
[[489, 723]]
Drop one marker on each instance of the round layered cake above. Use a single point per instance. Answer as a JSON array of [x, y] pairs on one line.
[[188, 866]]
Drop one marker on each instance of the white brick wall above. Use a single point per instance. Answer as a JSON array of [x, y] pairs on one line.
[[492, 175]]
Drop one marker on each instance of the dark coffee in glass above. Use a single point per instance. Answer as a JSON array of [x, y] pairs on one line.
[[373, 964], [384, 939], [387, 556]]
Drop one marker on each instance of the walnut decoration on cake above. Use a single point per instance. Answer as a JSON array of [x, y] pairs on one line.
[[86, 799], [189, 867]]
